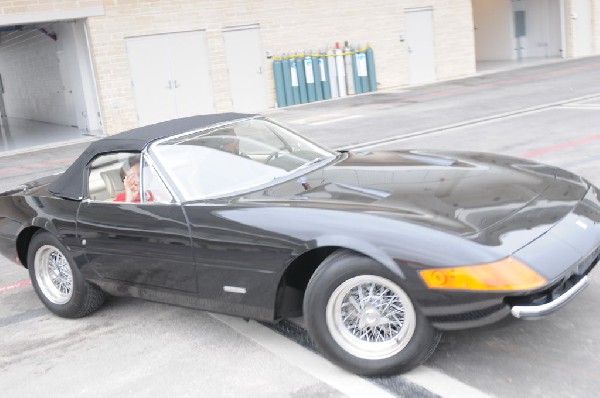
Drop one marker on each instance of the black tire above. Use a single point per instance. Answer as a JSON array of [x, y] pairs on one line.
[[332, 318], [57, 281]]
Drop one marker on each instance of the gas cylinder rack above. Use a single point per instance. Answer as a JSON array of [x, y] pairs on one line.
[[309, 77]]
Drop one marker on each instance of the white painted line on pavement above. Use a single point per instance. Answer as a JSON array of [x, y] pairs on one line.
[[468, 123], [339, 119], [323, 119], [441, 384], [318, 118], [588, 107], [338, 378], [311, 363]]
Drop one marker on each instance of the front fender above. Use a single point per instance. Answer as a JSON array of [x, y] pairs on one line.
[[360, 246]]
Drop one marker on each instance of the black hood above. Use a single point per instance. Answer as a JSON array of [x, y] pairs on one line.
[[461, 193]]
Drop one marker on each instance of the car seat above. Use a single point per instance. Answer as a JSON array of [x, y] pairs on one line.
[[114, 183]]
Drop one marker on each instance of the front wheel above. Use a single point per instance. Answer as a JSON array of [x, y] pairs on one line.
[[361, 319], [57, 281]]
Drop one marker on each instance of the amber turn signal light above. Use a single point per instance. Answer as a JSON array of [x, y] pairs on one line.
[[506, 274]]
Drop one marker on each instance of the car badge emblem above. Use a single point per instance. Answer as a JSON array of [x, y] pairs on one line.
[[582, 225]]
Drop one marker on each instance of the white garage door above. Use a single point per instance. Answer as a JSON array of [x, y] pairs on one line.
[[170, 76], [245, 66]]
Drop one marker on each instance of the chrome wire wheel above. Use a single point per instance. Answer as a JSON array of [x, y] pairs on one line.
[[370, 317], [53, 274]]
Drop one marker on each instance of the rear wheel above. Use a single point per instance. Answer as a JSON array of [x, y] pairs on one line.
[[362, 319], [57, 281]]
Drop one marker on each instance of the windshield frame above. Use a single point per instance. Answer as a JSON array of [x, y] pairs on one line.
[[155, 156]]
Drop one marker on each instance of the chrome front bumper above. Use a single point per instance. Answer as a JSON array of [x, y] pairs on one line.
[[536, 311]]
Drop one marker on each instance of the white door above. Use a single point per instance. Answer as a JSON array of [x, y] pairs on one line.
[[190, 74], [245, 66], [151, 79], [170, 76], [421, 50], [537, 28]]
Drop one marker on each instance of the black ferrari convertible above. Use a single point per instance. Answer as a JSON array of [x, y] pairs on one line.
[[378, 251]]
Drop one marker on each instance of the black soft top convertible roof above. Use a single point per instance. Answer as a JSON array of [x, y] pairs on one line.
[[71, 184]]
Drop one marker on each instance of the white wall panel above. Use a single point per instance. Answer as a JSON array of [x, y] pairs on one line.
[[543, 28], [31, 74]]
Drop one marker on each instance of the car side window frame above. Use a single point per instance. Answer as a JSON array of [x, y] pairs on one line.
[[146, 160], [88, 196], [120, 157]]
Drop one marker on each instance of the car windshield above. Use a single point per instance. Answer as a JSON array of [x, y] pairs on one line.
[[235, 157]]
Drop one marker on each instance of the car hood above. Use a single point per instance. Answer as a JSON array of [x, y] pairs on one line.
[[483, 196]]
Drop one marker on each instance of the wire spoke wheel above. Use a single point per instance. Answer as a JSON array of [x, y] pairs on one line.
[[363, 320], [53, 274], [370, 317], [57, 280]]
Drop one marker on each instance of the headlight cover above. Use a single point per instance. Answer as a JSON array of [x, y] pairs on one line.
[[507, 274]]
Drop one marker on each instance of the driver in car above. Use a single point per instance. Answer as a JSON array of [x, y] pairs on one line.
[[130, 174]]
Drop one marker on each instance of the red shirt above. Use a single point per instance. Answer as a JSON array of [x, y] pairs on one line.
[[121, 198]]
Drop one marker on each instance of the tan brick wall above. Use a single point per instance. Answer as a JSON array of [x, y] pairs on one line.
[[454, 38], [596, 26], [571, 33], [38, 6], [569, 29]]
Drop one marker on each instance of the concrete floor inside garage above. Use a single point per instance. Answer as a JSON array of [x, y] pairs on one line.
[[483, 67], [21, 134]]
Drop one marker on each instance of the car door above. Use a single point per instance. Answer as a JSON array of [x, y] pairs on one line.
[[145, 243], [239, 261]]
